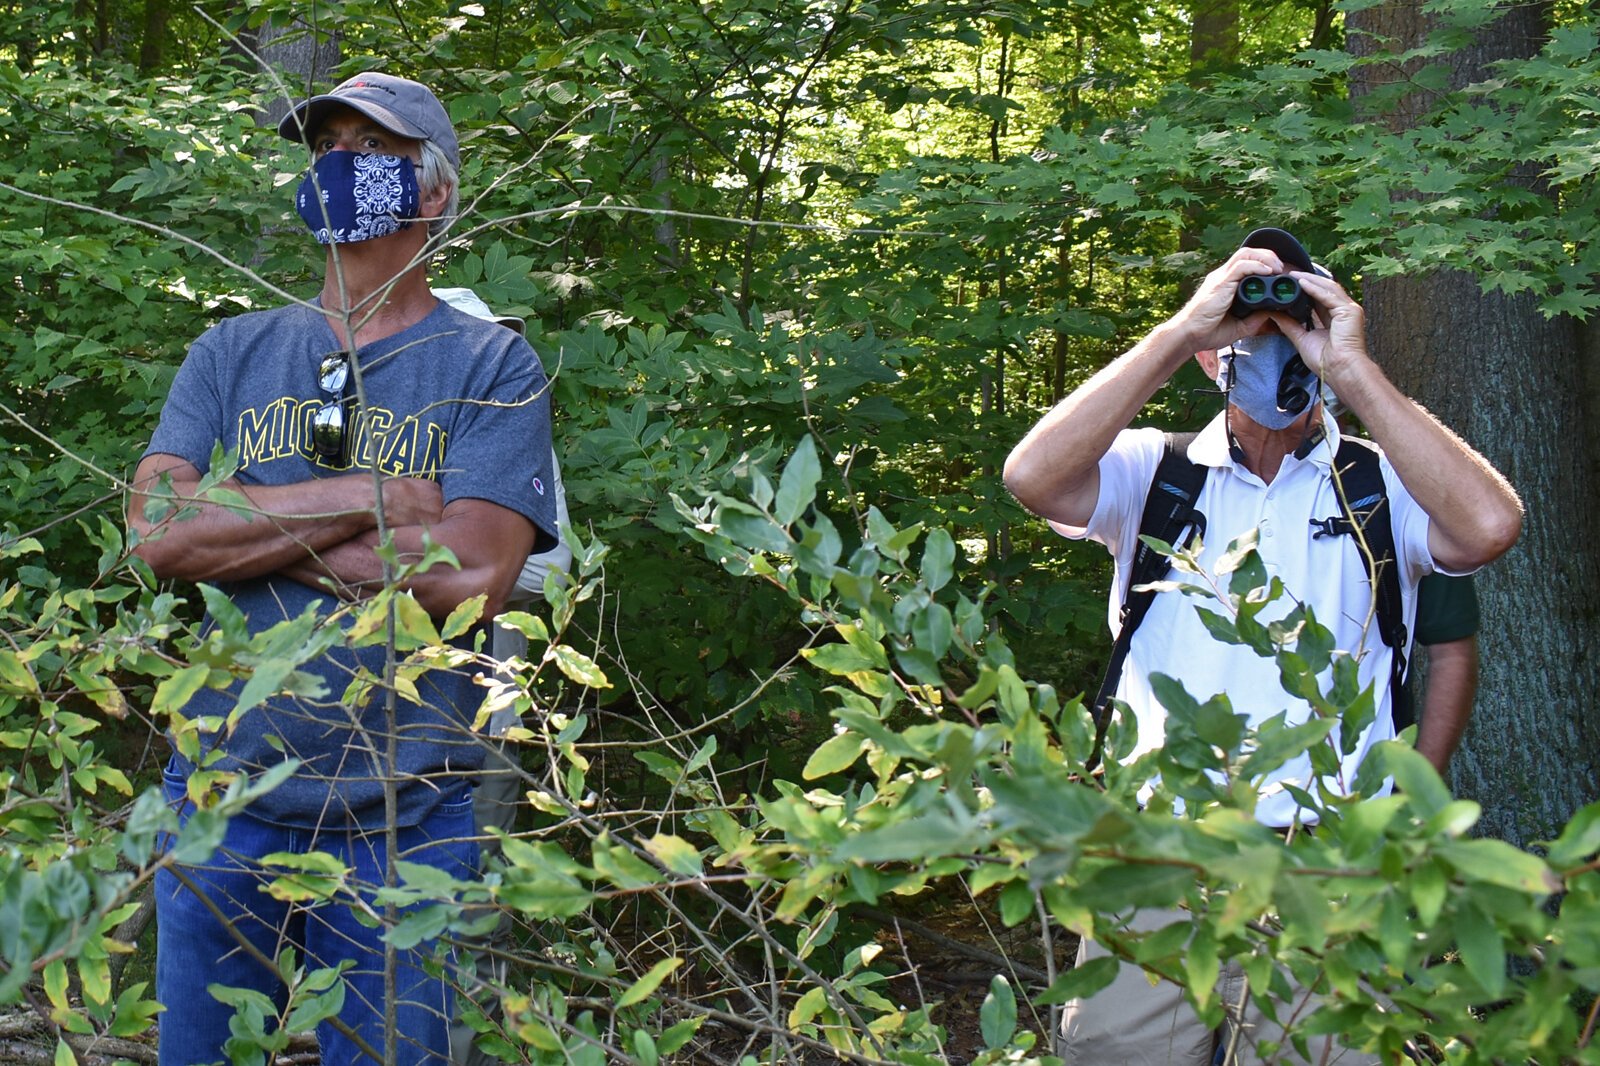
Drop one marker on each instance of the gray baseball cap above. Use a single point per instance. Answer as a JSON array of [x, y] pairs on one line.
[[399, 105], [1291, 251]]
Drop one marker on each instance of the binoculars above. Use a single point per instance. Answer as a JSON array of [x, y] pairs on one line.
[[1295, 387], [1277, 292]]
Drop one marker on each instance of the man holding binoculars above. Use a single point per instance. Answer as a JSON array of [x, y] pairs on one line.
[[1271, 329]]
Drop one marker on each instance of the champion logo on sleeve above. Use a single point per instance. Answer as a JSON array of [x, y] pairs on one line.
[[538, 485]]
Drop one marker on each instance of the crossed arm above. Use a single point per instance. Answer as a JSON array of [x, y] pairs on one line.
[[324, 532]]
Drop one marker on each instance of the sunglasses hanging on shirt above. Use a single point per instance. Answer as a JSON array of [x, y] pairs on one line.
[[333, 426]]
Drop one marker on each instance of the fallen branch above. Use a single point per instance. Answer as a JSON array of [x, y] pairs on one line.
[[992, 958]]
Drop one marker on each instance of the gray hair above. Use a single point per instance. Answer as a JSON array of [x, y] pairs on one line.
[[434, 171]]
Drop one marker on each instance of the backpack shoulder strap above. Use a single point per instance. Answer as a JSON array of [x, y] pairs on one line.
[[1365, 506], [1169, 510]]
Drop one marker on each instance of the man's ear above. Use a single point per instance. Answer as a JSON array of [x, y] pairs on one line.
[[1207, 358], [433, 202]]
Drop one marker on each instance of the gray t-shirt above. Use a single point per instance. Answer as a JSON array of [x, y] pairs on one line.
[[250, 383]]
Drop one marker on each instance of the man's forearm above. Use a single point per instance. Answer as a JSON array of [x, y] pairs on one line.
[[277, 525], [235, 532], [1475, 514], [490, 555], [1447, 704], [1054, 470]]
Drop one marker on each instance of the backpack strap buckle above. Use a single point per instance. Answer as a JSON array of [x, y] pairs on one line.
[[1337, 526]]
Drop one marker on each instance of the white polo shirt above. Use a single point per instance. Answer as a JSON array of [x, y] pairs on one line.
[[1328, 572]]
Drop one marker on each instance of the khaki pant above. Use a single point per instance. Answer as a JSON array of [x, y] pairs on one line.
[[1132, 1022]]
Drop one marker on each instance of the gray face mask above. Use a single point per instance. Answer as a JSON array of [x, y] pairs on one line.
[[1256, 370]]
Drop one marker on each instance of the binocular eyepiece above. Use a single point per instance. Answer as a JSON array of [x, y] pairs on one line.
[[1276, 292]]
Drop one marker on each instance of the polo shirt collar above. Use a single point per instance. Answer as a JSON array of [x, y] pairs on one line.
[[1210, 446]]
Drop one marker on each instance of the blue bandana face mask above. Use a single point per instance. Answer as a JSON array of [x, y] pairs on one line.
[[1252, 376], [362, 197]]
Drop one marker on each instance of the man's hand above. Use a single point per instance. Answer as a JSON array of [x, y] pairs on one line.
[[489, 541], [1054, 472], [1334, 350], [1206, 322], [410, 501]]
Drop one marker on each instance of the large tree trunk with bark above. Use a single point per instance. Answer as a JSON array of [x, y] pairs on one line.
[[1511, 382], [304, 58]]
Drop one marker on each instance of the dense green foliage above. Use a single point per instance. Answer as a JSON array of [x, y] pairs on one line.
[[803, 273]]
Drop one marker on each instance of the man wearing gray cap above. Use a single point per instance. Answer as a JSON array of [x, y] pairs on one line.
[[1265, 464], [372, 411]]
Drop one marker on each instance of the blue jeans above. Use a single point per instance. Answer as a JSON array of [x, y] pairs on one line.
[[194, 949]]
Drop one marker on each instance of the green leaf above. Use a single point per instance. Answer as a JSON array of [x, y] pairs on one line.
[[938, 557], [1429, 889], [645, 986], [529, 625], [1495, 862], [310, 1011], [1417, 778], [621, 866], [797, 487], [1117, 887], [674, 1038], [1017, 902], [835, 754], [1200, 966], [754, 531], [997, 1018], [174, 692], [839, 659], [1579, 841], [1081, 982], [1482, 951], [925, 836]]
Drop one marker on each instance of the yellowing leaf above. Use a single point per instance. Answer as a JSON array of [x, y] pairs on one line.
[[578, 666], [644, 986], [413, 622], [675, 853], [15, 675], [55, 984], [175, 692], [463, 618]]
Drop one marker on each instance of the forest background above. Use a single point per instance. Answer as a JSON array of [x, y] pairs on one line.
[[803, 273]]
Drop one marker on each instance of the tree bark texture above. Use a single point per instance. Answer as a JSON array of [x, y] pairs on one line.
[[304, 60], [153, 41], [1213, 35], [1512, 383]]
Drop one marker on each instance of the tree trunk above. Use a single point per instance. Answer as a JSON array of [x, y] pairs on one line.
[[303, 59], [1213, 45], [153, 41], [1213, 35], [1511, 382]]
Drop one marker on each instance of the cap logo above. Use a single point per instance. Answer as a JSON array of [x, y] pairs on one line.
[[372, 85]]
